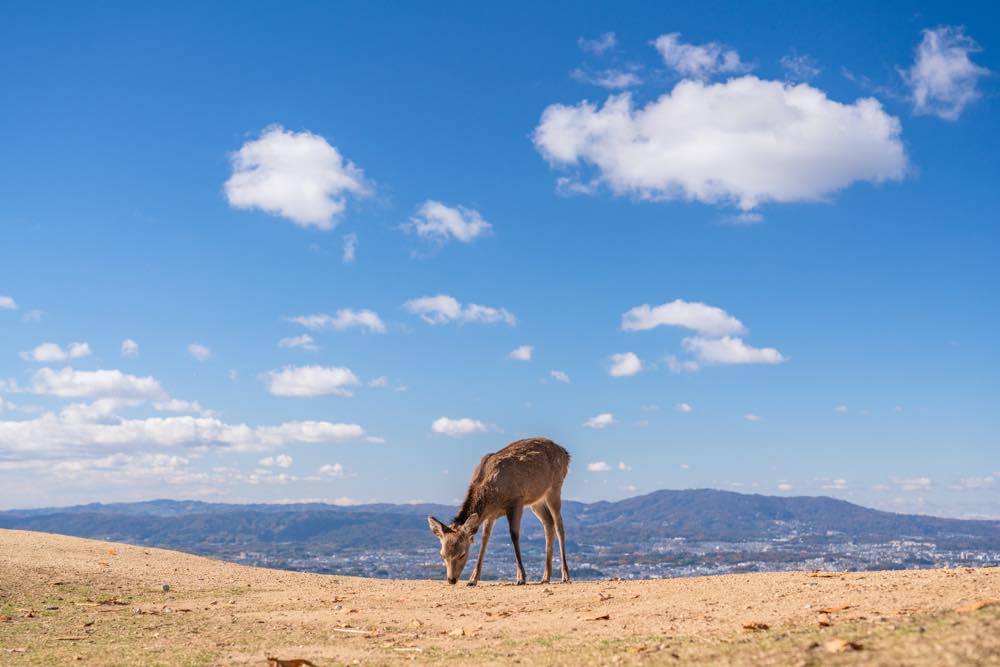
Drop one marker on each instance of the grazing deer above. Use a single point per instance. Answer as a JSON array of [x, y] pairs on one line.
[[525, 472]]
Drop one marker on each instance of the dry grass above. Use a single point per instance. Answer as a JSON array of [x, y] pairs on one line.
[[73, 601]]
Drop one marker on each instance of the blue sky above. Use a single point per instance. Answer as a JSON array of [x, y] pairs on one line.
[[805, 200]]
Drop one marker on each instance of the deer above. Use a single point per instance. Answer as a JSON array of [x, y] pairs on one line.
[[525, 473]]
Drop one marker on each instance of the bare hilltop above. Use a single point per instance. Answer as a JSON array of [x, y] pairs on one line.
[[66, 600]]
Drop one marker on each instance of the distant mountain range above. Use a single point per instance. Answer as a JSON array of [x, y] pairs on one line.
[[665, 532]]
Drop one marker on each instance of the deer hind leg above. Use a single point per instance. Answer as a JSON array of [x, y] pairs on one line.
[[545, 516], [514, 522], [553, 500], [487, 529]]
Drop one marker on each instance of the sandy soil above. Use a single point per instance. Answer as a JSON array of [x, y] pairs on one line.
[[72, 601]]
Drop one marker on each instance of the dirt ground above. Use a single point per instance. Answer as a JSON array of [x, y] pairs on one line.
[[72, 601]]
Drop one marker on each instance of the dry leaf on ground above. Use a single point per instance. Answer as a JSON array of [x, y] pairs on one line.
[[755, 625], [841, 646], [835, 608], [295, 662]]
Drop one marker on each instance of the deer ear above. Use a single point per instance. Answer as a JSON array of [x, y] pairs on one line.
[[471, 525], [437, 527]]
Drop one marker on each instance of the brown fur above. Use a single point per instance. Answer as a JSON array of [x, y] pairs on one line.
[[525, 472]]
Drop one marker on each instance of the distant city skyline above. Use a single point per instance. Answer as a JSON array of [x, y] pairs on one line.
[[334, 253]]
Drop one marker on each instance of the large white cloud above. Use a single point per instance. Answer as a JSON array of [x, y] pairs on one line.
[[746, 141], [50, 352], [343, 319], [71, 383], [624, 364], [943, 78], [697, 61], [694, 315], [438, 222], [297, 175], [62, 434], [731, 350], [7, 302], [457, 427], [311, 381], [442, 309]]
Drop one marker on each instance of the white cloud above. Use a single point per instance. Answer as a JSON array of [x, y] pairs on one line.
[[912, 483], [676, 365], [296, 175], [33, 315], [71, 383], [751, 417], [331, 470], [560, 376], [943, 78], [624, 364], [311, 381], [840, 408], [744, 142], [442, 309], [598, 45], [179, 405], [379, 383], [130, 348], [67, 434], [304, 342], [694, 315], [799, 67], [457, 427], [343, 319], [350, 247], [611, 78], [697, 61], [683, 407], [975, 483], [49, 352], [785, 487], [279, 461], [438, 222], [835, 485], [624, 467], [522, 353], [199, 351], [602, 420], [598, 466], [730, 350], [7, 303]]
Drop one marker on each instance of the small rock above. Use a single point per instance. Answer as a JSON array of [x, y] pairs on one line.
[[165, 587]]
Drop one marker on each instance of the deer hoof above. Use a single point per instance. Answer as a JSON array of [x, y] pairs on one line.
[[544, 581], [472, 582], [519, 582]]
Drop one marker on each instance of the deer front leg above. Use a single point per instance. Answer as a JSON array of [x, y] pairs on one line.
[[514, 522], [487, 529]]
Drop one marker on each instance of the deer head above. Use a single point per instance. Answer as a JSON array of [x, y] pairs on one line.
[[455, 543]]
